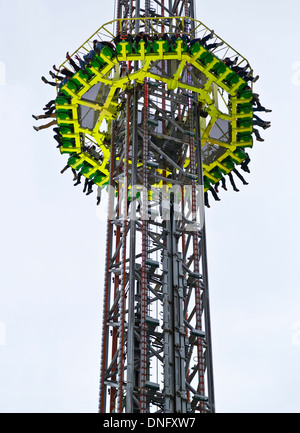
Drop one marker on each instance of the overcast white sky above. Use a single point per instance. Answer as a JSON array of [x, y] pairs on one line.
[[53, 244]]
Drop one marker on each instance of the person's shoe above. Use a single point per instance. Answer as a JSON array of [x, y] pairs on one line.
[[36, 128], [260, 139], [266, 126], [216, 189], [224, 187], [245, 183], [212, 33], [52, 74], [220, 44], [77, 183], [256, 78], [68, 57], [55, 68], [44, 79], [89, 192], [246, 169], [268, 111], [236, 190], [35, 117]]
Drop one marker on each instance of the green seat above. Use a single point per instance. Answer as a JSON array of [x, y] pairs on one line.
[[67, 144], [90, 73], [178, 42], [165, 46], [240, 154], [138, 47], [206, 182], [120, 48], [78, 83], [98, 176], [195, 48], [228, 163], [244, 137], [64, 91], [65, 130], [216, 173], [73, 85], [86, 167], [245, 123], [62, 100], [219, 69], [108, 52], [84, 76], [245, 94], [73, 160], [241, 86], [206, 58], [245, 108], [232, 79], [64, 114], [98, 63]]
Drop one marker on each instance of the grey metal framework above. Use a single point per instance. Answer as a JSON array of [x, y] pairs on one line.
[[156, 352]]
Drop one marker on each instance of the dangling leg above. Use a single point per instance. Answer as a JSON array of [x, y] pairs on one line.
[[214, 194], [257, 135], [99, 192], [223, 180], [206, 199], [46, 115], [86, 182], [38, 128], [57, 138], [240, 176], [64, 169], [90, 187], [78, 179], [232, 182], [49, 82], [74, 173]]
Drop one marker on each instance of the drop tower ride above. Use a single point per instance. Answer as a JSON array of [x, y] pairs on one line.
[[158, 115]]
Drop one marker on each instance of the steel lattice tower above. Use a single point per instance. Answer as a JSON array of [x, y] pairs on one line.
[[156, 352]]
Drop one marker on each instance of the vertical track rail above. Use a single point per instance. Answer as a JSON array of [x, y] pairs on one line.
[[144, 281], [107, 283], [121, 348], [196, 247], [196, 252]]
